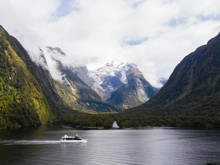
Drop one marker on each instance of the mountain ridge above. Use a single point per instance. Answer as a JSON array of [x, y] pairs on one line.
[[74, 92], [109, 79], [136, 91], [194, 83]]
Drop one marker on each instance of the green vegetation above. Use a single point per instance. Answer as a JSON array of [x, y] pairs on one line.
[[191, 97], [84, 120], [76, 95], [29, 97], [79, 97], [138, 120], [181, 119], [22, 103]]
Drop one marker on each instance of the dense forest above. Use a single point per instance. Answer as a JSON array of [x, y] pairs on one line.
[[138, 120]]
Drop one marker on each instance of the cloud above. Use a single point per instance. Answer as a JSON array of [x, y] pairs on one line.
[[154, 34]]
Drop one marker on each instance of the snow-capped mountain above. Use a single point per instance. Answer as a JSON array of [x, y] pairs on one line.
[[110, 77], [106, 79], [72, 90], [136, 91], [119, 84]]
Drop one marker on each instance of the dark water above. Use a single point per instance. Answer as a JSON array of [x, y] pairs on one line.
[[157, 146]]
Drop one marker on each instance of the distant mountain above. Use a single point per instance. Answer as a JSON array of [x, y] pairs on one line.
[[109, 78], [72, 90], [122, 85], [135, 92], [193, 87]]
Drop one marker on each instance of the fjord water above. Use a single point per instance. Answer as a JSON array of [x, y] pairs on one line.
[[155, 146]]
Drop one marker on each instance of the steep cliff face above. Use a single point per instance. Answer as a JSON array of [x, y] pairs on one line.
[[122, 85], [135, 92], [194, 86], [22, 100], [106, 79], [29, 94], [73, 92]]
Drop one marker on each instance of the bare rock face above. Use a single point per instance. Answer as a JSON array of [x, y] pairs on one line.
[[70, 85], [135, 92], [122, 84]]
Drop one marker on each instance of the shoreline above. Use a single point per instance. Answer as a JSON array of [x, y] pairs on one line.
[[66, 127]]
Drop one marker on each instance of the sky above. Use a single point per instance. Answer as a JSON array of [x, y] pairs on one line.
[[154, 34]]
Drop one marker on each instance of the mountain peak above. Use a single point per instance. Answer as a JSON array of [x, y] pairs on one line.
[[136, 91], [118, 78], [55, 50]]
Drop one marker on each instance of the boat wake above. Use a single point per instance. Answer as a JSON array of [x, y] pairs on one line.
[[28, 142]]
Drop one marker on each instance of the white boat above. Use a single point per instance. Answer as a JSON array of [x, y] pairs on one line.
[[72, 139]]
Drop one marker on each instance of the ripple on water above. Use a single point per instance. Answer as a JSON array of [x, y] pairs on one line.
[[107, 147]]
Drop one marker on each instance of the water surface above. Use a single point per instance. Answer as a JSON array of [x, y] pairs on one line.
[[155, 146]]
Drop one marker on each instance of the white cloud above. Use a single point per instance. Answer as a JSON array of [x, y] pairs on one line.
[[96, 31]]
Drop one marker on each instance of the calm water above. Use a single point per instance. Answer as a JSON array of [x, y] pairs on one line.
[[156, 146]]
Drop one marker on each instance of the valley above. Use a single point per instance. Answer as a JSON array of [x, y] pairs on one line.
[[51, 92]]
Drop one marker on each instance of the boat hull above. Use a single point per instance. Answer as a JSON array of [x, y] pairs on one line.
[[74, 141]]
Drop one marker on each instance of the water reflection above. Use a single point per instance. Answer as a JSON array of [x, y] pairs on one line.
[[156, 146]]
